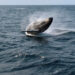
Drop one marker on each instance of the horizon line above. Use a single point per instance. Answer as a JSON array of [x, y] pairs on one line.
[[36, 4]]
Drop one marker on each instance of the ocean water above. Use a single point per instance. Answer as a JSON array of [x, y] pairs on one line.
[[51, 53]]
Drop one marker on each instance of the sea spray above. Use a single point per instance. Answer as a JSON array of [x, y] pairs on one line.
[[56, 28]]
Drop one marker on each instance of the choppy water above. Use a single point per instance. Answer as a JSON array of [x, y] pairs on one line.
[[51, 53]]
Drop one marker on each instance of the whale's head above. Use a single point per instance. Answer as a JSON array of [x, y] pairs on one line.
[[44, 24], [39, 26]]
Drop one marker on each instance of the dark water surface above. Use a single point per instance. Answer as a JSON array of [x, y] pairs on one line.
[[50, 54]]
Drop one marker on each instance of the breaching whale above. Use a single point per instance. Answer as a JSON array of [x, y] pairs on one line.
[[35, 28]]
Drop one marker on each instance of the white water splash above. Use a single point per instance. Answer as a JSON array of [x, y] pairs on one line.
[[55, 29]]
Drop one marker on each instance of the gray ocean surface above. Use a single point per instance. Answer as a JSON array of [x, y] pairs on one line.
[[51, 53]]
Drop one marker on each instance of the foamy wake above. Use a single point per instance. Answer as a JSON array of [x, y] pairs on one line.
[[56, 32]]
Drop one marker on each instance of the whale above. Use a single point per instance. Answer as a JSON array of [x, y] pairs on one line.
[[38, 27]]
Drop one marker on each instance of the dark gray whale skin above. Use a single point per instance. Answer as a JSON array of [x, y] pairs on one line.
[[38, 27]]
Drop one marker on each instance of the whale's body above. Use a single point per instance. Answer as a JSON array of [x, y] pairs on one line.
[[38, 27]]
